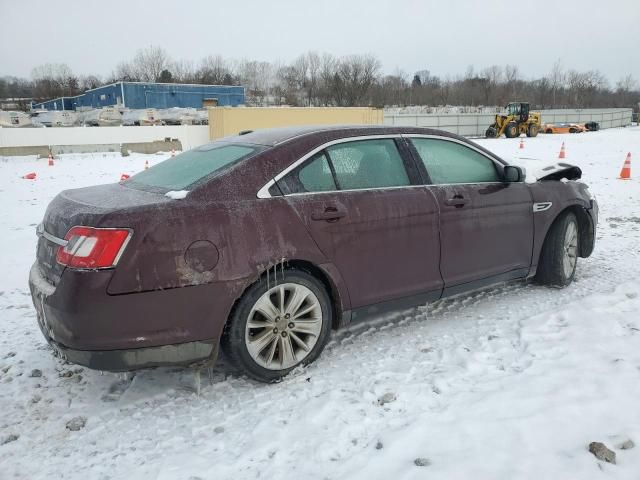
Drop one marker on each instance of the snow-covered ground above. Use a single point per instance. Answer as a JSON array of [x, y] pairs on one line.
[[508, 383]]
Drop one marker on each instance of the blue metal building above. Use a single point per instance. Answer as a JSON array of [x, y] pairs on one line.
[[62, 103], [150, 95]]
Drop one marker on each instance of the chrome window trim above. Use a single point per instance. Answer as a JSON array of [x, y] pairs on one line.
[[264, 191]]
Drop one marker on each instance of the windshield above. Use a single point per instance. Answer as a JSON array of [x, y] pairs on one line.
[[188, 168]]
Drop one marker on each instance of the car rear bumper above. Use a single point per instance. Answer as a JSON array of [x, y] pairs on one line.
[[191, 353], [87, 326]]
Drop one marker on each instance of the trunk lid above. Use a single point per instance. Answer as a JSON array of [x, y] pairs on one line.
[[83, 206]]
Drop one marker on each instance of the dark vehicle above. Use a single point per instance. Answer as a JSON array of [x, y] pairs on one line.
[[592, 126], [264, 242]]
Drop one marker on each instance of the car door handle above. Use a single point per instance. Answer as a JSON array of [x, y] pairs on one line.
[[329, 214], [457, 201]]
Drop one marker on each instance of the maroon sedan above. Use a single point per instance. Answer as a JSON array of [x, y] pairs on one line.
[[263, 242]]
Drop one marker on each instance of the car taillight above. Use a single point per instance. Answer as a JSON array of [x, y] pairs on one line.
[[89, 247]]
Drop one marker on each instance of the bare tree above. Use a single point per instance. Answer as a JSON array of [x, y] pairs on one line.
[[215, 70], [183, 71], [353, 78], [493, 75], [54, 80], [512, 76], [146, 66], [557, 79], [89, 82], [150, 62]]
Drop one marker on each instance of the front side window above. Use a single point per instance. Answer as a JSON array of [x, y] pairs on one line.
[[450, 162], [188, 168]]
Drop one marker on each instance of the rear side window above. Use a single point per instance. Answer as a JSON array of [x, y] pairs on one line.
[[316, 175], [450, 162], [368, 164], [185, 169]]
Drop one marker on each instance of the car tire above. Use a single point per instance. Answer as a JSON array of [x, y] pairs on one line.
[[512, 130], [559, 256], [263, 336], [532, 131]]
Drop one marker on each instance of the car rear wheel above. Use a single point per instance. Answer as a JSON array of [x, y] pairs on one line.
[[276, 327], [559, 257]]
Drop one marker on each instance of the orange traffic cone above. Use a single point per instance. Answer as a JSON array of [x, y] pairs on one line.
[[173, 152], [30, 176], [50, 159], [124, 177], [625, 173], [521, 144], [562, 152], [146, 164]]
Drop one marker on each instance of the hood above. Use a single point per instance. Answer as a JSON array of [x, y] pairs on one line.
[[558, 171]]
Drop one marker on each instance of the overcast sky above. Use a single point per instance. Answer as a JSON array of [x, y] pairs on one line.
[[443, 36]]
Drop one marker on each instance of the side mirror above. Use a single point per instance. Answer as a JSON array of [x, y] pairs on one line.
[[512, 174]]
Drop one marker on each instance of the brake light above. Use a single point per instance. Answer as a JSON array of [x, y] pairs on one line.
[[89, 247]]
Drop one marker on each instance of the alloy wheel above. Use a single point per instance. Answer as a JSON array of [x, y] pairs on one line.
[[283, 326]]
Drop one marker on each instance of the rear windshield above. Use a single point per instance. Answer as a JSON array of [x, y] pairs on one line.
[[188, 168]]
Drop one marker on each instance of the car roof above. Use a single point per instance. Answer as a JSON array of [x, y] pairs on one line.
[[274, 136]]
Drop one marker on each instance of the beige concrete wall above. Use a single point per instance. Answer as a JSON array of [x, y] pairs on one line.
[[224, 121]]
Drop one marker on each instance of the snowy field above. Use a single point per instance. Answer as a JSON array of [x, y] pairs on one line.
[[512, 382]]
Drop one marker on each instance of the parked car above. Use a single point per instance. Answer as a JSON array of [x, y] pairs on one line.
[[14, 119], [264, 242], [592, 126], [51, 118], [144, 117], [101, 117], [563, 128]]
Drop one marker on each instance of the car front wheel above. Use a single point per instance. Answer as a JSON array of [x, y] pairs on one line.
[[559, 257], [278, 325]]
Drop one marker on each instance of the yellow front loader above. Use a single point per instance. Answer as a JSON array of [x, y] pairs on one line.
[[516, 121]]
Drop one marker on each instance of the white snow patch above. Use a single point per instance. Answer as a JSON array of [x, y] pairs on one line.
[[512, 382], [177, 194]]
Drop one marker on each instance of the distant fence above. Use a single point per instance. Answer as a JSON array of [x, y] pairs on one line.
[[79, 139], [475, 124]]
